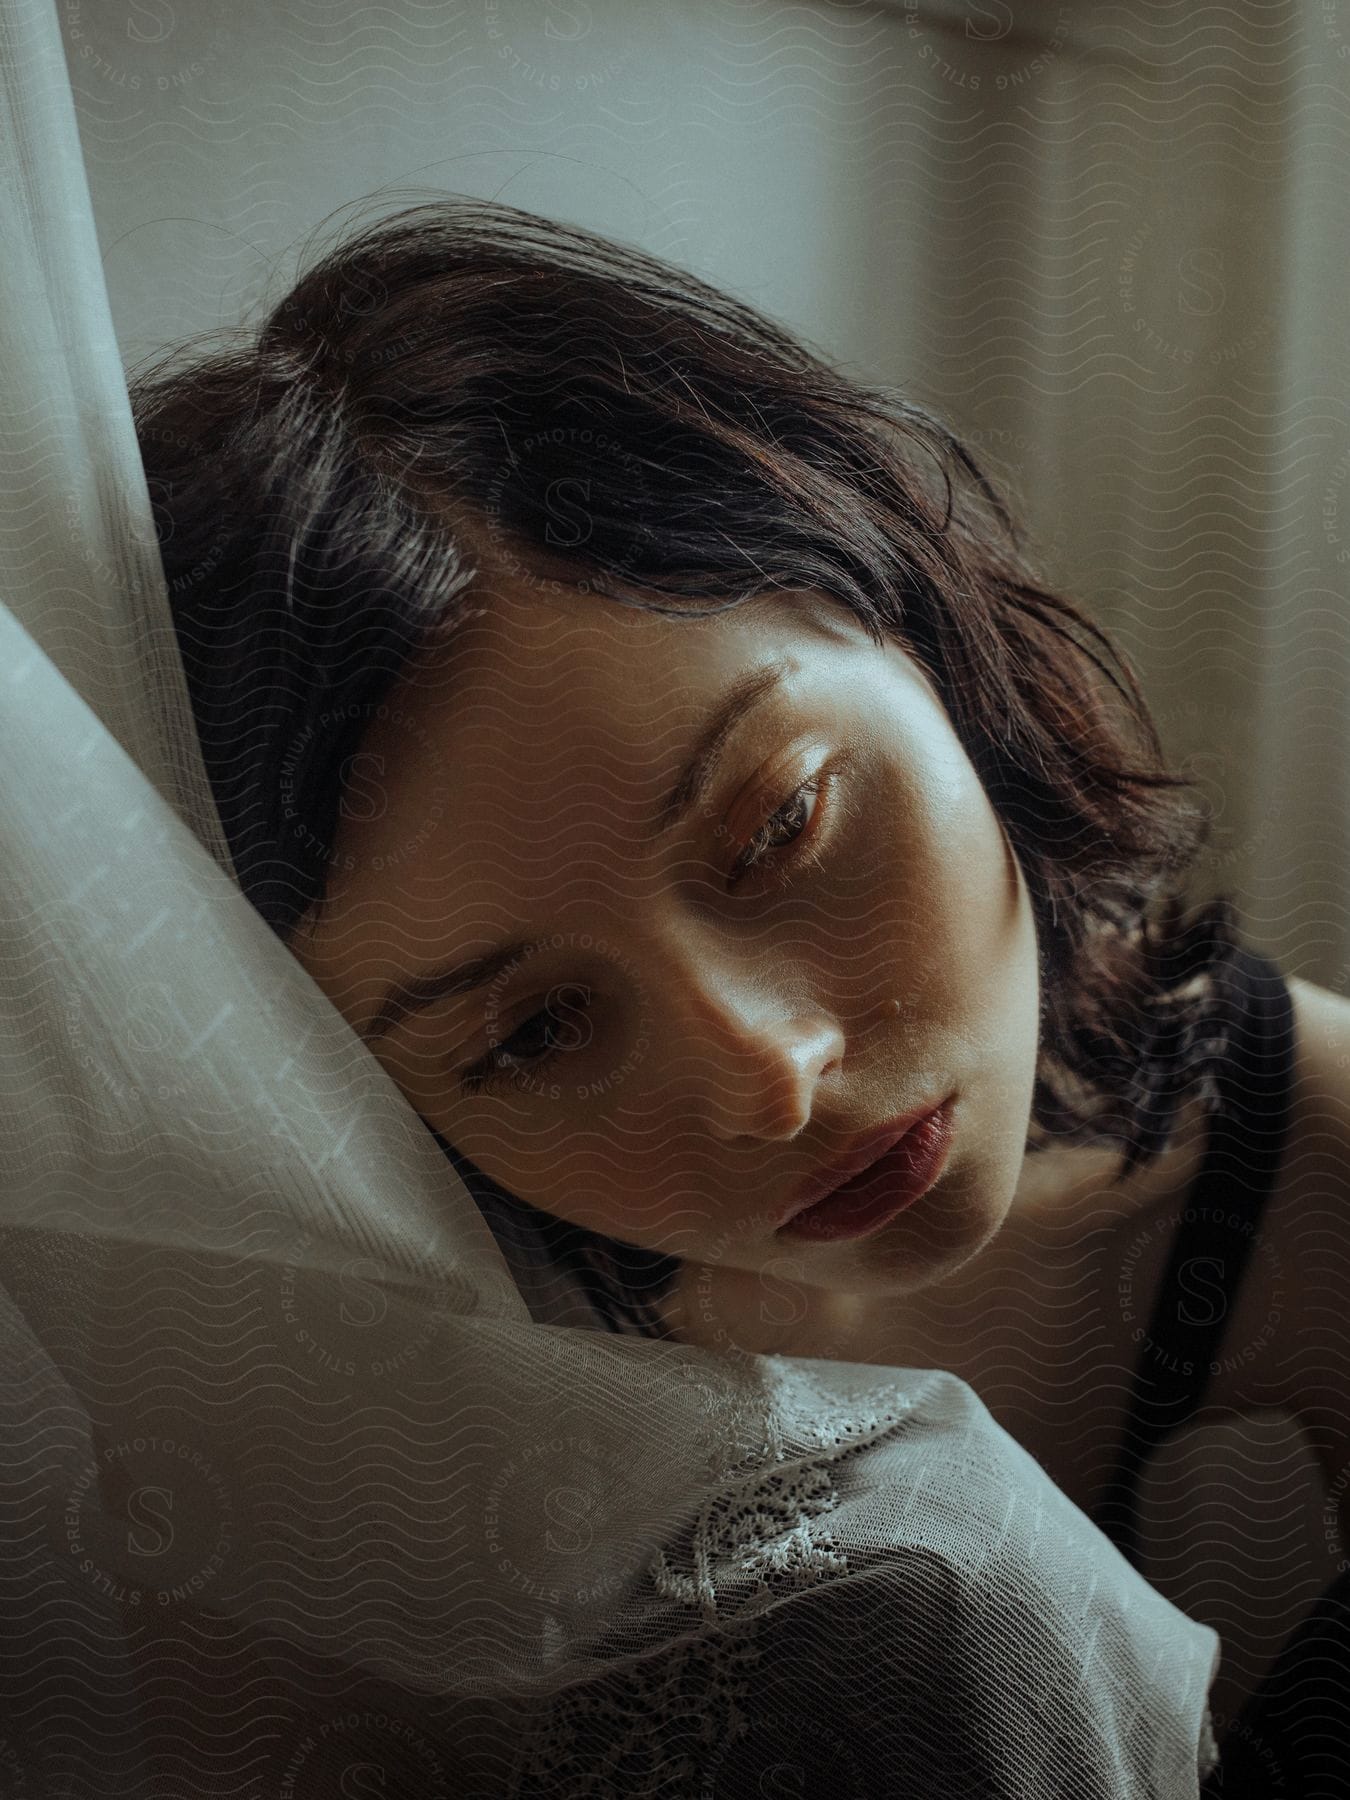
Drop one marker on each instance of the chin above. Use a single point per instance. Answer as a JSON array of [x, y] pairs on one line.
[[944, 1229]]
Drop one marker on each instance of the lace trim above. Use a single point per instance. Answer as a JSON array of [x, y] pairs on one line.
[[693, 1700], [656, 1725], [767, 1534], [767, 1526]]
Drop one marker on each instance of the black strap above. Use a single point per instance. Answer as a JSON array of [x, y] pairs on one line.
[[1218, 1229], [1293, 1734]]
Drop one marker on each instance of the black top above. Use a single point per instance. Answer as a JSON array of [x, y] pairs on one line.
[[1219, 1225], [1292, 1735]]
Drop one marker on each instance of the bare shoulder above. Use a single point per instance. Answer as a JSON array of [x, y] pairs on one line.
[[1309, 1210], [1316, 1160], [1319, 1138], [1322, 1058]]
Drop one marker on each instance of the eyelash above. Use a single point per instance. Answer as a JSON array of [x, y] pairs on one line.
[[484, 1074], [752, 857]]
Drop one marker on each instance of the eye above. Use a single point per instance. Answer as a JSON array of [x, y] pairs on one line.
[[555, 1030], [797, 822], [790, 839]]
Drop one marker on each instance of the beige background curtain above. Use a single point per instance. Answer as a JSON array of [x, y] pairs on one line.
[[1108, 240]]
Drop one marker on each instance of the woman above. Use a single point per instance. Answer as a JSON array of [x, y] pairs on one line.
[[658, 747]]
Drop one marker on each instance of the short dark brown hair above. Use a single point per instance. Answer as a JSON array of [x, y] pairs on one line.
[[463, 377]]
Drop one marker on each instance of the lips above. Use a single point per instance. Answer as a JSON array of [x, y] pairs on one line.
[[866, 1151]]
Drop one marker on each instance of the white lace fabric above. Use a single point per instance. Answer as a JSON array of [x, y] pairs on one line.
[[297, 1498]]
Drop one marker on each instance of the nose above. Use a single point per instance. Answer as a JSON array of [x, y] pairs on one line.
[[749, 1056]]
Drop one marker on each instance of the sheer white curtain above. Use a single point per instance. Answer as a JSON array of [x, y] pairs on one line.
[[1132, 237], [259, 1539]]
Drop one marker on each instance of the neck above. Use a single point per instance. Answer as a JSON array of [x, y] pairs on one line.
[[743, 1310]]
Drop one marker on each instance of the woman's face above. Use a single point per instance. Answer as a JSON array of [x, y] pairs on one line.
[[704, 1009]]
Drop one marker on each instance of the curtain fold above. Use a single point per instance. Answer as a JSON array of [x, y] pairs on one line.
[[75, 528], [1124, 270]]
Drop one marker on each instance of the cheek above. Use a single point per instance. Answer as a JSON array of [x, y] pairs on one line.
[[421, 1077], [939, 852], [950, 928], [541, 1149], [964, 853], [621, 1183]]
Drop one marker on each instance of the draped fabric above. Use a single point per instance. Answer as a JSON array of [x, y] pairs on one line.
[[1121, 230], [297, 1497]]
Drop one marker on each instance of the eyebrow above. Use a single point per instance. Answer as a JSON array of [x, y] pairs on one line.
[[446, 980]]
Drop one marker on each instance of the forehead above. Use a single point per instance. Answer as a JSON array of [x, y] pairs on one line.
[[580, 658], [533, 683], [524, 758]]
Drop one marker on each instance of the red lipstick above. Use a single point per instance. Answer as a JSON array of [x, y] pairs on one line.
[[890, 1170]]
